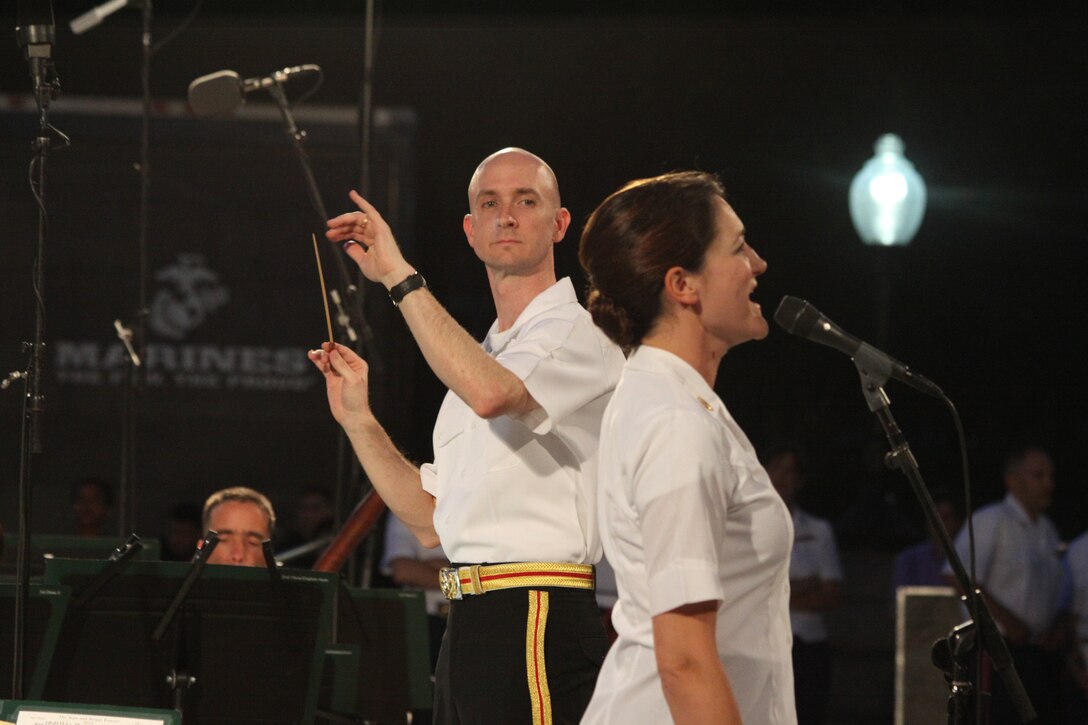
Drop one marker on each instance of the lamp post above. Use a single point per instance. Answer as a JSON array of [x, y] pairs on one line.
[[887, 203]]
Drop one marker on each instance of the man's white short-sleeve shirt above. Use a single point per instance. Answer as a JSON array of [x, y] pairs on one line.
[[1017, 561], [509, 489], [814, 554], [1077, 559]]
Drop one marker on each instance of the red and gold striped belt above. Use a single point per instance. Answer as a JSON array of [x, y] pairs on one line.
[[459, 582]]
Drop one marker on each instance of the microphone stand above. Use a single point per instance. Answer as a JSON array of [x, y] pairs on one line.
[[365, 144], [179, 678], [350, 310], [954, 655], [135, 340], [29, 432], [134, 375], [354, 293], [133, 365], [37, 42], [367, 102], [270, 562], [211, 540], [873, 376]]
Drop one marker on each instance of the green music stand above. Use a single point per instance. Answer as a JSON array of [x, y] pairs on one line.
[[60, 546], [46, 607], [389, 627], [253, 643]]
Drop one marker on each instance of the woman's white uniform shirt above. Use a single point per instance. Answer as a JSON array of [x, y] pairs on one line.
[[689, 515]]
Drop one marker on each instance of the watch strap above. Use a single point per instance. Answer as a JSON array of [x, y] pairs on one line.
[[411, 283]]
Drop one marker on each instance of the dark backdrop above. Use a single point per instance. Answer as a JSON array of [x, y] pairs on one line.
[[784, 104]]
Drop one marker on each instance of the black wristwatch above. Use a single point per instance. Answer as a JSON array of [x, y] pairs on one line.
[[411, 283]]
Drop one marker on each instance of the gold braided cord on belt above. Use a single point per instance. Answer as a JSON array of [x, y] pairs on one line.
[[480, 579]]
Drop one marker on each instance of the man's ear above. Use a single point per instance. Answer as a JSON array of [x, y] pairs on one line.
[[562, 223], [467, 225], [679, 287]]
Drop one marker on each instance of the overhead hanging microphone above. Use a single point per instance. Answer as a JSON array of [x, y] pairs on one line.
[[94, 16], [36, 34], [219, 94]]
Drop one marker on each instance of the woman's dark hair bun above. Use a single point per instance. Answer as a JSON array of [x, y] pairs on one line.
[[612, 319]]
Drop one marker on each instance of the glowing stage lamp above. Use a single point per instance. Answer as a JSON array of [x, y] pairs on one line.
[[887, 197]]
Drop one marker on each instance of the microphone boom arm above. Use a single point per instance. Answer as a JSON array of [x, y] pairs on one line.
[[355, 316], [901, 457]]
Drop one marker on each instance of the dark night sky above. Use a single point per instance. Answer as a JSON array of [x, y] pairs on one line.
[[785, 105]]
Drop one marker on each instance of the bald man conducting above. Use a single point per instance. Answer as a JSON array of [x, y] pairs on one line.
[[511, 494]]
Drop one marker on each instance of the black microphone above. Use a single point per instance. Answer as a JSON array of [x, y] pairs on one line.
[[222, 92], [116, 564], [800, 318]]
